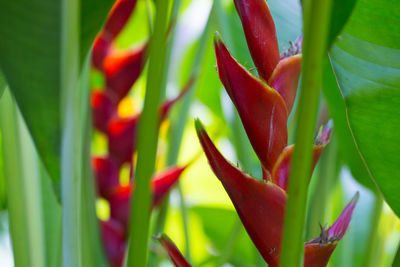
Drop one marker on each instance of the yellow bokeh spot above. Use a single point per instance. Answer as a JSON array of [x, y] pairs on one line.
[[102, 209], [127, 107]]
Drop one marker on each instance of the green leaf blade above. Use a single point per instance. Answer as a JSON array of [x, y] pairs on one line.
[[366, 62]]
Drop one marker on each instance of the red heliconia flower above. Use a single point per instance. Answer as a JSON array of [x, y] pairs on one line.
[[261, 208], [161, 183], [103, 109], [116, 20], [122, 69], [114, 237], [106, 174], [173, 252], [122, 131]]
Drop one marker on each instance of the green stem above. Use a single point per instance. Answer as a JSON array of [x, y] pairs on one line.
[[373, 239], [316, 24], [71, 147], [147, 142]]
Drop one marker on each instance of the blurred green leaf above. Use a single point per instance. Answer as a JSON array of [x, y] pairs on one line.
[[366, 62], [30, 58], [218, 224]]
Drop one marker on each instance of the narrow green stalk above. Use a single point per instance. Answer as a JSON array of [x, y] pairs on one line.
[[71, 147], [316, 15], [175, 137], [147, 142], [373, 239], [23, 187]]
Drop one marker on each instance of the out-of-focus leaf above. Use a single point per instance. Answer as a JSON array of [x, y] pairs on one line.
[[30, 58], [218, 224], [366, 62], [347, 147], [2, 84]]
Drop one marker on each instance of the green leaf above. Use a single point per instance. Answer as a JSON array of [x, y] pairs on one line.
[[337, 109], [218, 225], [23, 187], [30, 58], [366, 62], [341, 11]]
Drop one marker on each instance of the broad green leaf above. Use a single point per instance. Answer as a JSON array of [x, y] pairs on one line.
[[30, 58], [337, 110], [366, 62]]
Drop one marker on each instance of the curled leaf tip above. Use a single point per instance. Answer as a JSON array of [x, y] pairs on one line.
[[198, 125]]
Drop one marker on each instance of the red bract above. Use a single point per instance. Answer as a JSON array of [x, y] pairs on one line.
[[116, 20], [161, 183], [106, 175], [259, 29], [114, 236], [122, 131], [173, 252], [118, 16], [261, 109], [122, 69], [103, 109], [261, 208]]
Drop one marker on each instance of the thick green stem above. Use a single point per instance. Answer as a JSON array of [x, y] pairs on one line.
[[71, 148], [147, 142], [373, 239], [316, 24]]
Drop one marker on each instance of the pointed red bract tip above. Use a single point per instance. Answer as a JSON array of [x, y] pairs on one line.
[[285, 79], [260, 205], [261, 108], [101, 48], [173, 252], [122, 138], [103, 109], [259, 29], [122, 69], [117, 18], [162, 183], [114, 237], [106, 174], [319, 250]]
